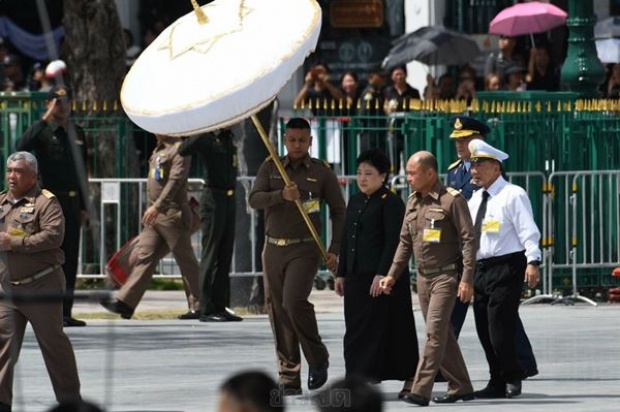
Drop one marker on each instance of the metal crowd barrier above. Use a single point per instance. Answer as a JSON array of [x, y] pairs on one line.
[[119, 204], [583, 220], [577, 212]]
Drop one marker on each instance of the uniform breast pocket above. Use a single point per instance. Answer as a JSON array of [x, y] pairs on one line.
[[412, 220], [23, 225], [56, 150], [434, 224], [276, 182]]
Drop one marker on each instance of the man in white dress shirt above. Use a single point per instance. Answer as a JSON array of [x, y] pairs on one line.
[[508, 256]]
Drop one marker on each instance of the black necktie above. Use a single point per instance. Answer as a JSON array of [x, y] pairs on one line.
[[480, 215]]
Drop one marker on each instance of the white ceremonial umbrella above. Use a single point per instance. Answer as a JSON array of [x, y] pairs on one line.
[[200, 76], [221, 64]]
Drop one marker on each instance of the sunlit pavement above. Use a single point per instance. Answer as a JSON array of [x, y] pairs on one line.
[[174, 365]]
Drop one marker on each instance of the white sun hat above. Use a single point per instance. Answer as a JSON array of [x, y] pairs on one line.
[[197, 77]]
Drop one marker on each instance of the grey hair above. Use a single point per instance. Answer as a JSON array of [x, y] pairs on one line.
[[25, 156]]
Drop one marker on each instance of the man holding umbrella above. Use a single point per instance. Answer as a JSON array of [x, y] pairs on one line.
[[291, 257]]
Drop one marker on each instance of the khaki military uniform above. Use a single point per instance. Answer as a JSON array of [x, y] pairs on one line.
[[33, 266], [167, 192], [434, 228], [291, 258]]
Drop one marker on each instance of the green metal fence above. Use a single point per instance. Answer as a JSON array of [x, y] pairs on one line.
[[543, 132]]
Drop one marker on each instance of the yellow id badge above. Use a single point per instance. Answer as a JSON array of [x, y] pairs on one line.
[[17, 231], [431, 235], [491, 226], [312, 206]]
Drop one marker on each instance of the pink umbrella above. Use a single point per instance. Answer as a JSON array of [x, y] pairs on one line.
[[527, 18]]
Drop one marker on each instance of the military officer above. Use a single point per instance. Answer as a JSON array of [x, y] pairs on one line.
[[465, 130], [508, 255], [218, 207], [31, 232], [291, 257], [167, 222], [438, 230], [60, 148]]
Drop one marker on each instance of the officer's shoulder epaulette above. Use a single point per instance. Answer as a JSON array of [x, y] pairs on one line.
[[4, 192], [455, 164], [177, 144], [323, 162], [47, 193], [453, 191]]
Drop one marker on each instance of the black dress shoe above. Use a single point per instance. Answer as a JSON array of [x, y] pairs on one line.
[[317, 377], [223, 316], [491, 392], [68, 322], [406, 390], [454, 398], [416, 399], [191, 314], [513, 389], [118, 307], [289, 390]]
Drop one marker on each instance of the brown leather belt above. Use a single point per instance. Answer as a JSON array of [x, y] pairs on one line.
[[433, 271], [34, 277], [285, 242]]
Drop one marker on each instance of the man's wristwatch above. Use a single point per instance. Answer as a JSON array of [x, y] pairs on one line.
[[534, 263]]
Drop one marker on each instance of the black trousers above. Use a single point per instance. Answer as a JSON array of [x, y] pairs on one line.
[[218, 211], [70, 246], [498, 283], [525, 354]]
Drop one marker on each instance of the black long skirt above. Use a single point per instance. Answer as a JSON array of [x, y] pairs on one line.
[[380, 341]]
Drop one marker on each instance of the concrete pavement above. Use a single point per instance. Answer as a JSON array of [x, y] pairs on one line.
[[172, 365]]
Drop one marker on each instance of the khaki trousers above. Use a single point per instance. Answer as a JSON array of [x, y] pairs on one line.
[[169, 232], [437, 295], [288, 277], [46, 321]]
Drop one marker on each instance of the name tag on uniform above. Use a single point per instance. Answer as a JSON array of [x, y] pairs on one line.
[[17, 231], [431, 235], [312, 206], [311, 179], [26, 209], [491, 226]]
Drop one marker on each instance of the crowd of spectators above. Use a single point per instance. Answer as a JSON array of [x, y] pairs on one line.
[[511, 68]]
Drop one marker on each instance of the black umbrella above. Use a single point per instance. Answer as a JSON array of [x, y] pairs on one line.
[[432, 45]]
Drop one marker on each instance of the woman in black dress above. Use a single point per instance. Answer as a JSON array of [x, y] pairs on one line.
[[380, 340]]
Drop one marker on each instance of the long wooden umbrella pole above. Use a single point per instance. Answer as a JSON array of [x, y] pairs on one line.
[[288, 182]]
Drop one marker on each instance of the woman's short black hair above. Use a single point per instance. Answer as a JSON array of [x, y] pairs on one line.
[[375, 158]]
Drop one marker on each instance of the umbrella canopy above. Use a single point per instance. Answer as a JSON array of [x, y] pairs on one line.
[[608, 50], [527, 18], [607, 28], [432, 45], [202, 75]]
